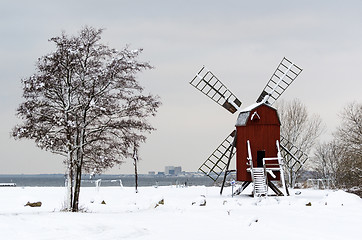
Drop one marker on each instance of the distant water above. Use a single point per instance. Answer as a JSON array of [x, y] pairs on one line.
[[58, 180]]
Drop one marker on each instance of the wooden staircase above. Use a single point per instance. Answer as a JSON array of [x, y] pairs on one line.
[[260, 175], [260, 182]]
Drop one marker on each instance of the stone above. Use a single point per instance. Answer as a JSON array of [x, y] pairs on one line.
[[34, 204]]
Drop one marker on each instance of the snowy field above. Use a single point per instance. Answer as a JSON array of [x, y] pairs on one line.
[[127, 215]]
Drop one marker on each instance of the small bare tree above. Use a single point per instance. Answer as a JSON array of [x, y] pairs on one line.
[[298, 127], [135, 163]]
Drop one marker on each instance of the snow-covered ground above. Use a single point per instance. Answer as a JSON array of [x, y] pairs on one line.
[[127, 215]]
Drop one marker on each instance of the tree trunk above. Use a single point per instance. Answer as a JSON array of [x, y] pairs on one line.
[[78, 179], [136, 174], [70, 175], [79, 164], [69, 200], [135, 159]]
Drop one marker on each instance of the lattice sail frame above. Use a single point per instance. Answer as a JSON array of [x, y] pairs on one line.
[[211, 86], [297, 156], [281, 79], [216, 163]]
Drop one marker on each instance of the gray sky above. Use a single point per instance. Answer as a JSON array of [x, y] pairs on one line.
[[242, 42]]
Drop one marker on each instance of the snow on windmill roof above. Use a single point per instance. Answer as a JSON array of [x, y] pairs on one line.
[[245, 113], [251, 107], [255, 105]]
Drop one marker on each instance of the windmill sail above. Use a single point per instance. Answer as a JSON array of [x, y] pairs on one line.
[[214, 166], [283, 76], [211, 86], [297, 156]]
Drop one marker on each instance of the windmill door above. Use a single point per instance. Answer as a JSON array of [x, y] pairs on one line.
[[259, 158]]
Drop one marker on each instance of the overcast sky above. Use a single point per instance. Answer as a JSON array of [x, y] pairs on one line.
[[242, 42]]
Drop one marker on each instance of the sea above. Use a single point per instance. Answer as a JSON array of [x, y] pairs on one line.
[[126, 180]]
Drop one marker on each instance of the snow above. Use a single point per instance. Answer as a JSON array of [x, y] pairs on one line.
[[242, 119], [127, 215], [251, 107]]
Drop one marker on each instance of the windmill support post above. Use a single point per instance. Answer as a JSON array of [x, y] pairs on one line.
[[228, 164], [242, 188]]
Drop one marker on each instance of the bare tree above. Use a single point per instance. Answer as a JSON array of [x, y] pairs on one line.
[[349, 138], [327, 159], [341, 159], [85, 103], [298, 127]]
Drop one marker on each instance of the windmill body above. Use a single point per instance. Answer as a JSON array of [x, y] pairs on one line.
[[256, 140], [260, 125]]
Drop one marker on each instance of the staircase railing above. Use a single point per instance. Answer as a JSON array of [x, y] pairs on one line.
[[258, 176]]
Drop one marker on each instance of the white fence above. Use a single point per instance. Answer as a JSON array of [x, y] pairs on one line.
[[320, 183]]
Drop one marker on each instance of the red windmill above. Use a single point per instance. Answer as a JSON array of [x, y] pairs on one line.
[[256, 140]]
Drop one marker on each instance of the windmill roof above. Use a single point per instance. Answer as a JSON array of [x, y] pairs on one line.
[[255, 105], [245, 113], [251, 107]]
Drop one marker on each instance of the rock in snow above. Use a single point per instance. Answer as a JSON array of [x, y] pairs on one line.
[[34, 204]]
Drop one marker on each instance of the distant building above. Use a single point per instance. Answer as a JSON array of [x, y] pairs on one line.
[[178, 170], [168, 169], [151, 173], [171, 170]]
